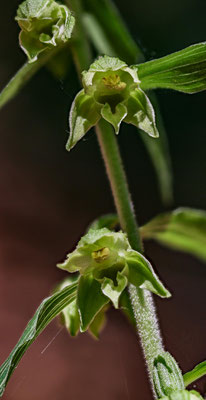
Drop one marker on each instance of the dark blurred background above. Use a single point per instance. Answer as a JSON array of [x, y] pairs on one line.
[[48, 197]]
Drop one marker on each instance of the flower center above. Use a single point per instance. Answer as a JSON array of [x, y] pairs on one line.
[[101, 255], [113, 81]]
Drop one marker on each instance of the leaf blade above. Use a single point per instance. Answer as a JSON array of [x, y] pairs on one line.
[[184, 71], [183, 229], [48, 309], [110, 21], [196, 373]]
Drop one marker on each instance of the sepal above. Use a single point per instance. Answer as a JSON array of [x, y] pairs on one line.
[[90, 300], [141, 113], [83, 115], [142, 275]]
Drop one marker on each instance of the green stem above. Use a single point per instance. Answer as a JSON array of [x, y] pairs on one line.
[[142, 302], [80, 47]]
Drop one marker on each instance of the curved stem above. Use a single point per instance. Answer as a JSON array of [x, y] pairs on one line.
[[142, 302]]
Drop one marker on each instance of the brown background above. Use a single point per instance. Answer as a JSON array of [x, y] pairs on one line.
[[48, 197]]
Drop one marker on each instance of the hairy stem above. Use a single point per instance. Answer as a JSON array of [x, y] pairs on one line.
[[142, 302]]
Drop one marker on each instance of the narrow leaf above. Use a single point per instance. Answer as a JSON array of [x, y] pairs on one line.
[[97, 35], [196, 373], [110, 21], [90, 300], [48, 310], [184, 71], [183, 229], [69, 316], [159, 154]]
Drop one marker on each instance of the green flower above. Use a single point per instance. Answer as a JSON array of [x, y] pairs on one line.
[[111, 91], [44, 24], [107, 264]]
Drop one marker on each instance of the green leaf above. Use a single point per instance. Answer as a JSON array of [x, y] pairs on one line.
[[83, 116], [159, 153], [117, 35], [196, 373], [98, 35], [47, 311], [98, 323], [69, 316], [109, 221], [90, 300], [114, 290], [160, 161], [141, 113], [184, 71], [141, 274], [114, 118], [183, 229]]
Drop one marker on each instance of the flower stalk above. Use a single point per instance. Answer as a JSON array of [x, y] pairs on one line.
[[142, 301]]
